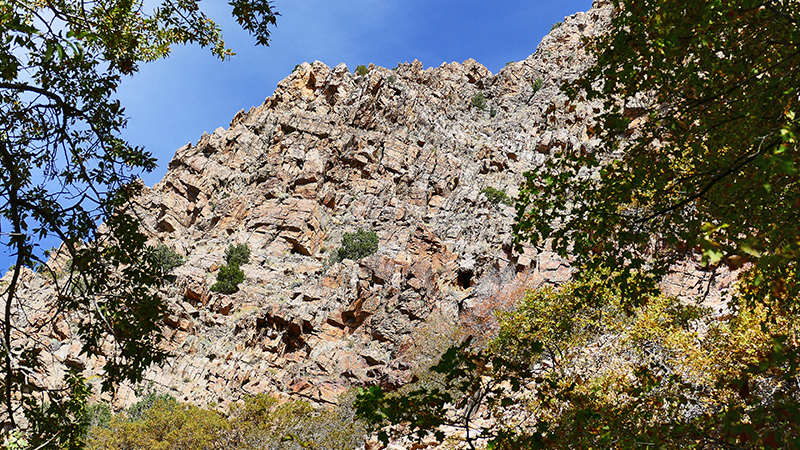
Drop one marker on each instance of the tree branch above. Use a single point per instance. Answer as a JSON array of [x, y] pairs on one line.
[[733, 168], [67, 108]]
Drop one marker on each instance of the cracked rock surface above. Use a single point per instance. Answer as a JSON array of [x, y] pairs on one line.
[[399, 151]]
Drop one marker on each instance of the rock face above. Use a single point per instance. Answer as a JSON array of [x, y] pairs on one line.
[[403, 152]]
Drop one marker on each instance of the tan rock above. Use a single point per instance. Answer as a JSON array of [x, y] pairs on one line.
[[331, 152], [61, 329]]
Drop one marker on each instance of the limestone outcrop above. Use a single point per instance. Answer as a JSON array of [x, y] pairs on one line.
[[403, 152]]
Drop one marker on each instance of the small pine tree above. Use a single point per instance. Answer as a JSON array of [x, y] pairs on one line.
[[165, 258], [358, 245], [497, 196], [238, 254], [228, 279], [479, 101]]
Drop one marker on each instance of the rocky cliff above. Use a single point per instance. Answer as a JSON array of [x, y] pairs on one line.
[[406, 152]]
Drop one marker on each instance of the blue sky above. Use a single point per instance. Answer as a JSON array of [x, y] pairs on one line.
[[173, 101]]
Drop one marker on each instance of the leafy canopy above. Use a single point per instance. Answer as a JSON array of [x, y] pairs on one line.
[[698, 153], [573, 368], [255, 423], [64, 169], [698, 160]]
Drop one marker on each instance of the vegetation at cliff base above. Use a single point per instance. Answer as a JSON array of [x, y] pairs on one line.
[[574, 368], [255, 423]]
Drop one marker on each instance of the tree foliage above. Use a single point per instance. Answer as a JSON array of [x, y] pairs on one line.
[[255, 423], [575, 368], [698, 153], [238, 254], [697, 160], [64, 169], [358, 245], [228, 279], [165, 259]]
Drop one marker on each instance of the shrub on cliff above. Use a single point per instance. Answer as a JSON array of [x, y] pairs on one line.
[[479, 101], [537, 84], [230, 275], [497, 196], [237, 254], [228, 279], [164, 258], [357, 245]]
